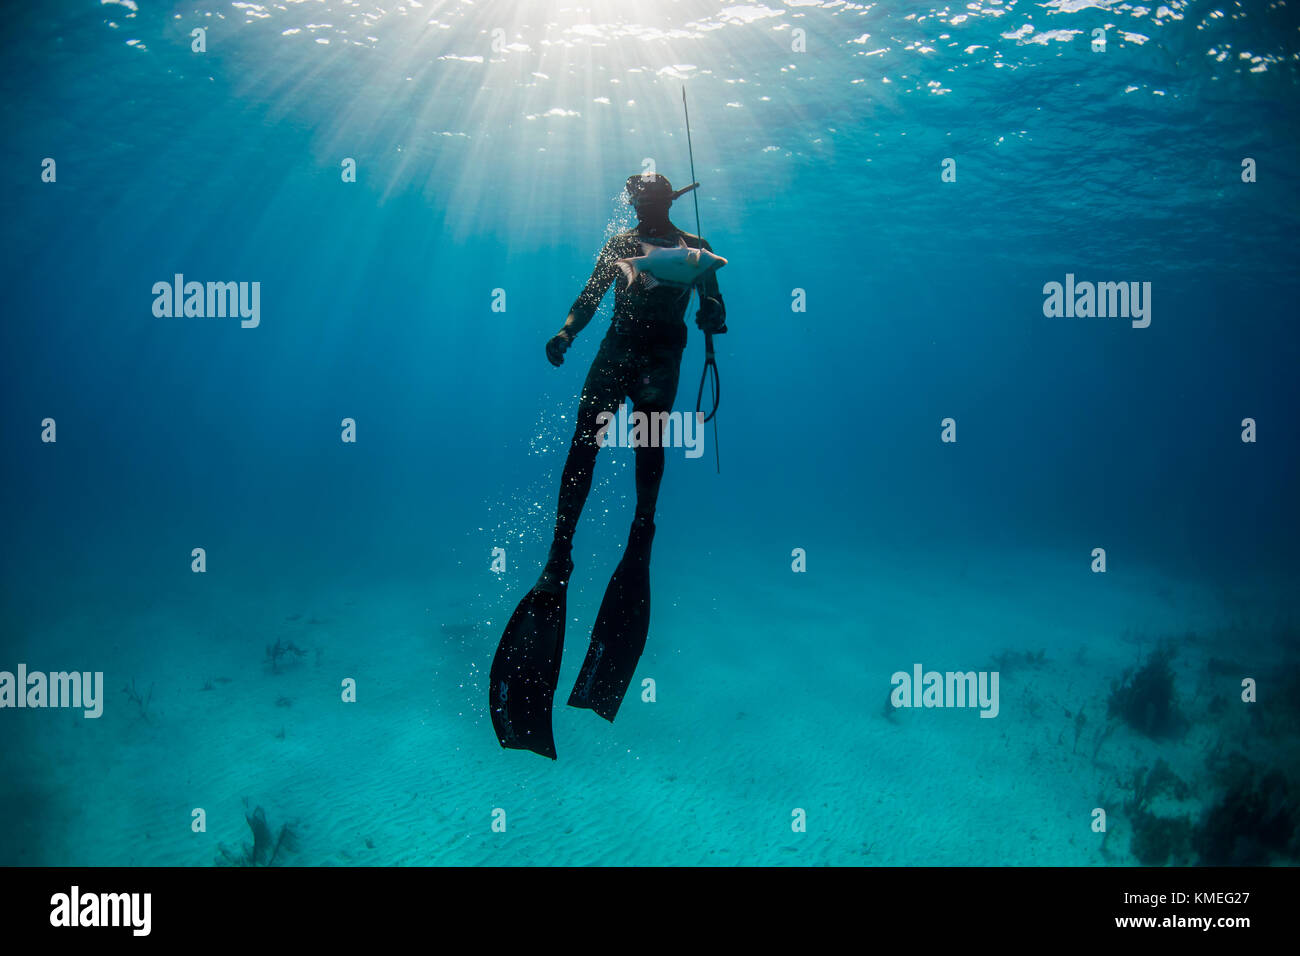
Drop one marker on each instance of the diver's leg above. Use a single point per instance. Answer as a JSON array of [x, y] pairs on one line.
[[649, 474], [653, 389], [602, 392], [623, 622]]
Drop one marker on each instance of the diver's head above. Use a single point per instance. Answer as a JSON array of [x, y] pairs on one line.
[[651, 194]]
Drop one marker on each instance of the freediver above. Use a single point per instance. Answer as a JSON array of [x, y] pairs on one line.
[[639, 358]]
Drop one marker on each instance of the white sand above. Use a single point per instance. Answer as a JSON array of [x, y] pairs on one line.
[[770, 691]]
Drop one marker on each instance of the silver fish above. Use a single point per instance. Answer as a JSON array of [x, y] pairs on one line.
[[680, 266]]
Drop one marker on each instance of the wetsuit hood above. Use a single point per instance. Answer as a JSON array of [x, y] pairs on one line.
[[654, 189]]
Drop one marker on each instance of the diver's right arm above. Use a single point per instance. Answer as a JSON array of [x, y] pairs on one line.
[[584, 307]]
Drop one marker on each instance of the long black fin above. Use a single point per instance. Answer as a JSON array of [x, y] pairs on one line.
[[521, 684], [619, 635]]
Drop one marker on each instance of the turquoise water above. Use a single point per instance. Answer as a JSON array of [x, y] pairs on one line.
[[893, 185]]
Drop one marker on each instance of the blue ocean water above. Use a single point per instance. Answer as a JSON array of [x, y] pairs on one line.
[[895, 186]]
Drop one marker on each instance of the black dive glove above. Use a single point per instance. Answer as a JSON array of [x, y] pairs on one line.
[[711, 317], [557, 346]]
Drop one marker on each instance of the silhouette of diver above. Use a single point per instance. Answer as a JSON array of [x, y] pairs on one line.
[[639, 358]]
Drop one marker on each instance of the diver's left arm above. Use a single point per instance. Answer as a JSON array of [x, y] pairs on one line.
[[712, 314], [584, 307]]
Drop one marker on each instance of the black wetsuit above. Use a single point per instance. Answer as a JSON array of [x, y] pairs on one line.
[[639, 358]]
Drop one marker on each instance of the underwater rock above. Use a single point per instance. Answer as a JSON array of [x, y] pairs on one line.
[[1255, 823], [280, 654], [1146, 700], [267, 848]]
